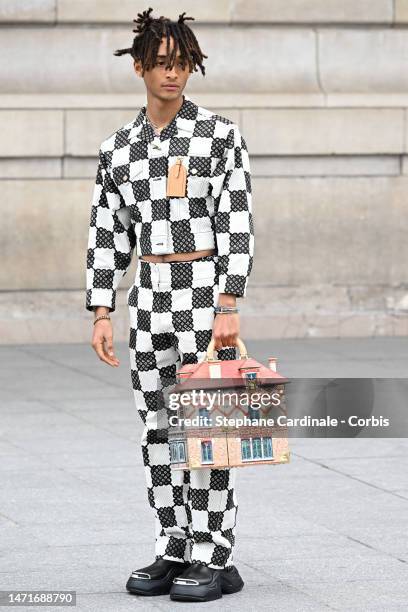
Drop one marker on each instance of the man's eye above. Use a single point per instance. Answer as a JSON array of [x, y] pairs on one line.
[[162, 63]]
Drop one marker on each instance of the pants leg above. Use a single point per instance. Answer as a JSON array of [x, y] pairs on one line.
[[171, 316], [212, 499], [154, 361]]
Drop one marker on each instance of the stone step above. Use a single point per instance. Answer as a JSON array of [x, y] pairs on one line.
[[267, 131], [262, 166], [284, 60], [212, 100], [349, 233], [310, 230], [212, 11], [31, 317]]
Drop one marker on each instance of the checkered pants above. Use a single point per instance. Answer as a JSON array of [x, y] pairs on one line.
[[171, 306]]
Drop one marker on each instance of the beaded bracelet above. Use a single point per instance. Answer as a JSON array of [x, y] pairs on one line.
[[105, 316]]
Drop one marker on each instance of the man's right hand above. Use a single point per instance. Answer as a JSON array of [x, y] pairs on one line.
[[102, 341]]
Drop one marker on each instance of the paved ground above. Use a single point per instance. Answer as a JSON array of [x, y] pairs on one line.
[[326, 532]]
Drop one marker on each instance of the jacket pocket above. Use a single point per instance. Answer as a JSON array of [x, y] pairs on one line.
[[199, 173], [125, 173], [132, 181]]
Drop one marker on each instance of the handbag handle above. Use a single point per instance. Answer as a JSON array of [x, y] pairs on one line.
[[210, 350]]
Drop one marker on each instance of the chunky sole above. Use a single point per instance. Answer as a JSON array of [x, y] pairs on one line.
[[149, 593], [193, 598], [232, 588], [221, 585], [231, 582], [205, 592]]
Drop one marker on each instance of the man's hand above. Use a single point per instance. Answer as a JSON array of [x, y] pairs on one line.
[[102, 342], [225, 330], [226, 325]]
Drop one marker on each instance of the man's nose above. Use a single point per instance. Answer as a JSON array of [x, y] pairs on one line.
[[172, 71]]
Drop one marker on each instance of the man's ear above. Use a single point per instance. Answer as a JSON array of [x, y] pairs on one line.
[[137, 65]]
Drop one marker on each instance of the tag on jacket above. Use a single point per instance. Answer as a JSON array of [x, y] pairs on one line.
[[176, 180]]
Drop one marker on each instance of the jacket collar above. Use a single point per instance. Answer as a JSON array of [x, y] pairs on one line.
[[141, 128]]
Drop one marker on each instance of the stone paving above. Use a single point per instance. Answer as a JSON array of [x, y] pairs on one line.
[[328, 531]]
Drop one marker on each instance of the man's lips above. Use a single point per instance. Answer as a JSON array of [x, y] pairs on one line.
[[171, 86]]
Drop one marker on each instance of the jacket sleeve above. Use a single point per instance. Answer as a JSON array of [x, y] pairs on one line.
[[234, 227], [111, 241]]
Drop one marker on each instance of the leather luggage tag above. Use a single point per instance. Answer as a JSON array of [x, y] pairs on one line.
[[176, 179]]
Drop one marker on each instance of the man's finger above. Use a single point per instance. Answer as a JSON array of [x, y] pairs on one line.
[[109, 352], [100, 351], [109, 346], [229, 341], [217, 343]]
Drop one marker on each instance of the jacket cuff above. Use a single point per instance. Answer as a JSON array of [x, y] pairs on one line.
[[100, 297], [233, 283]]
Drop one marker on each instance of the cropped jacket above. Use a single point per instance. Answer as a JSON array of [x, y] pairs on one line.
[[130, 211]]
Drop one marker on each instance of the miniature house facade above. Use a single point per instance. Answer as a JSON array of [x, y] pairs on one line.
[[208, 444], [217, 452]]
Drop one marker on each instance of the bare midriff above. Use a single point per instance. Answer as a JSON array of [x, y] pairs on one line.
[[177, 256]]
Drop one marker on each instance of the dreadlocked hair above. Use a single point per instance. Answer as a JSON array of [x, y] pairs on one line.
[[150, 32]]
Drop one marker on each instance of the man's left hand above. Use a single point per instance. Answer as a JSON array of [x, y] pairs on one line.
[[225, 330]]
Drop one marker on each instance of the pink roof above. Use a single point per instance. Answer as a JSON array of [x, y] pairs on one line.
[[230, 369]]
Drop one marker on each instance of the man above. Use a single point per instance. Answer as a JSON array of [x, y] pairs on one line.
[[174, 185]]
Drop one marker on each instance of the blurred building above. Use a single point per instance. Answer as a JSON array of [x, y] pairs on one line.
[[320, 91]]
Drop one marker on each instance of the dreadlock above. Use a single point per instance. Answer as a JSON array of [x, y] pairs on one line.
[[150, 32]]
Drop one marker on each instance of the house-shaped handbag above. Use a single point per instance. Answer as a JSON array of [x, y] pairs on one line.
[[228, 414]]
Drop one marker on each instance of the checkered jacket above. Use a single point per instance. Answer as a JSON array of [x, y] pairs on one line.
[[130, 210]]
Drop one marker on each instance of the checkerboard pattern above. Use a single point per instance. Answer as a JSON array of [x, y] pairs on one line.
[[111, 242], [130, 209], [171, 308]]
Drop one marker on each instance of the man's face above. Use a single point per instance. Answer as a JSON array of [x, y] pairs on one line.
[[158, 77]]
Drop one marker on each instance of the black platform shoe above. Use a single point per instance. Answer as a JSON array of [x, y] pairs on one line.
[[202, 583], [155, 579]]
